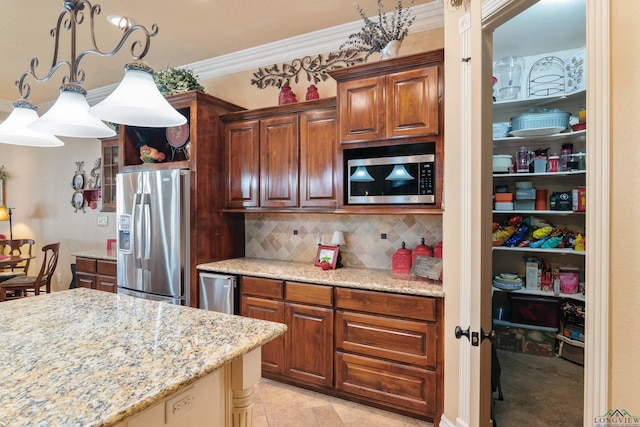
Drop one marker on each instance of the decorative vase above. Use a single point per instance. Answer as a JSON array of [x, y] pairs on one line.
[[391, 49]]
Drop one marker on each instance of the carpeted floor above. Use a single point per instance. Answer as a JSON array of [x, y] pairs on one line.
[[539, 391]]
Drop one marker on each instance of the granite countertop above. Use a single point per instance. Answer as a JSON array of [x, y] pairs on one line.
[[360, 278], [83, 357], [98, 254]]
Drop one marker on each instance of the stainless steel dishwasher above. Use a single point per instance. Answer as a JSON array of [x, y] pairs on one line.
[[218, 292]]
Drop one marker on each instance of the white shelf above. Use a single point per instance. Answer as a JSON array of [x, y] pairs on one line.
[[515, 176], [520, 106], [540, 250], [577, 297], [538, 212], [570, 341], [542, 139]]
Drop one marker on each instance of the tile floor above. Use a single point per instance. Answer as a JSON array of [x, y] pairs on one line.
[[283, 405]]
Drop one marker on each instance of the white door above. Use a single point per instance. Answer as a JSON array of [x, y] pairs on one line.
[[468, 212]]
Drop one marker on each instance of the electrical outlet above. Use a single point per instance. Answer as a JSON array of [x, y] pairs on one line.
[[383, 236], [295, 232], [103, 220], [179, 406]]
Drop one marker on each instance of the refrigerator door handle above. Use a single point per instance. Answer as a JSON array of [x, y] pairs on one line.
[[135, 215], [146, 227]]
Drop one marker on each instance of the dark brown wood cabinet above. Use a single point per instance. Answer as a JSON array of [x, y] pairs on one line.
[[215, 235], [304, 353], [318, 159], [110, 168], [279, 161], [386, 100], [282, 158], [95, 273], [389, 349], [378, 348]]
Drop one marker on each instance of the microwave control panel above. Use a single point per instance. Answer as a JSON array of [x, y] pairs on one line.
[[427, 176]]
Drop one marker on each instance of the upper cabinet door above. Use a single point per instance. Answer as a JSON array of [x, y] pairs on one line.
[[318, 164], [279, 161], [243, 163], [412, 103], [362, 109]]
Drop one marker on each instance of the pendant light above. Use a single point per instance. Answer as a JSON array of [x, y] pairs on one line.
[[399, 173], [361, 174], [137, 101], [14, 129], [69, 116]]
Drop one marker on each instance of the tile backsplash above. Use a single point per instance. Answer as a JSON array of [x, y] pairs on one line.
[[294, 236]]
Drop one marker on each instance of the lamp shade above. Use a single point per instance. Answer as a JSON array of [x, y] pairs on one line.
[[69, 116], [137, 101], [14, 129], [361, 174], [399, 173], [4, 213], [338, 238]]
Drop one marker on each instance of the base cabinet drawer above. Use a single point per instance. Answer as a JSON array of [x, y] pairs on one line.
[[85, 280], [106, 283], [400, 340], [389, 384]]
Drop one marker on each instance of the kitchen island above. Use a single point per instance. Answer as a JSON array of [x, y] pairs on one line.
[[88, 358]]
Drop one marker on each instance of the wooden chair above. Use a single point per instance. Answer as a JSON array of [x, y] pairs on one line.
[[20, 247], [21, 284]]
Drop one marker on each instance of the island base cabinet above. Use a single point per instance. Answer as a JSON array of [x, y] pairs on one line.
[[192, 407], [387, 384]]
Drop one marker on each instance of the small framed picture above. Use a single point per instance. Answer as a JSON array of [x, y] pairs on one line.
[[327, 255]]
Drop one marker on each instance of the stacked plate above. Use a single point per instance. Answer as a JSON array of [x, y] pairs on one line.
[[507, 281]]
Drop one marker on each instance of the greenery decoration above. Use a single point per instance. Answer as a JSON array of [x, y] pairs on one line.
[[376, 34], [315, 68], [176, 80], [3, 174]]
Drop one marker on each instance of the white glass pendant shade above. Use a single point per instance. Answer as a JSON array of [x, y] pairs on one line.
[[69, 116], [14, 129], [361, 174], [399, 173], [138, 102]]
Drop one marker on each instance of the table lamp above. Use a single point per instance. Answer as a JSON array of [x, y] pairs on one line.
[[5, 215], [338, 239]]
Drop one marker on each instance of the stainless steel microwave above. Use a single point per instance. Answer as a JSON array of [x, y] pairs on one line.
[[397, 179]]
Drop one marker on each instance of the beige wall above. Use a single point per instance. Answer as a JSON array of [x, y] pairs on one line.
[[39, 188], [625, 246], [237, 88]]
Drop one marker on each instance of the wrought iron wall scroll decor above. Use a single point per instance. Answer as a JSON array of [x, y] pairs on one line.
[[315, 68]]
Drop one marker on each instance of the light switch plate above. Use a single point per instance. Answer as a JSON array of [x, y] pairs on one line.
[[103, 220]]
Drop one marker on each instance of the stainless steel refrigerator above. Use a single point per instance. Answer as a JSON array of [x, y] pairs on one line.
[[152, 213]]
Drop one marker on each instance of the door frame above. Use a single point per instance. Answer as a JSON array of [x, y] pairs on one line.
[[470, 210]]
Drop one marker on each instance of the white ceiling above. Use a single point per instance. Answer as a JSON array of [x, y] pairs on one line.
[[547, 26]]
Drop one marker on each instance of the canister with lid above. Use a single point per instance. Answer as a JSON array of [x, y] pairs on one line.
[[401, 261], [421, 250]]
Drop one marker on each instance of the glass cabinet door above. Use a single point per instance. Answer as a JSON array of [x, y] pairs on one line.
[[110, 166]]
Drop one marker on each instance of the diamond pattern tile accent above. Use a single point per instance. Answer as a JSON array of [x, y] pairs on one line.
[[271, 236]]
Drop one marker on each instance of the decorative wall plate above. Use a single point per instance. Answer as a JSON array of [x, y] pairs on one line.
[[77, 200], [178, 135]]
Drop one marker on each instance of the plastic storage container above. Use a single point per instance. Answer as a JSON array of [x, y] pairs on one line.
[[521, 338]]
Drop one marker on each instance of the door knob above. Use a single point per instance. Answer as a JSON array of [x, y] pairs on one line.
[[460, 332], [491, 335]]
